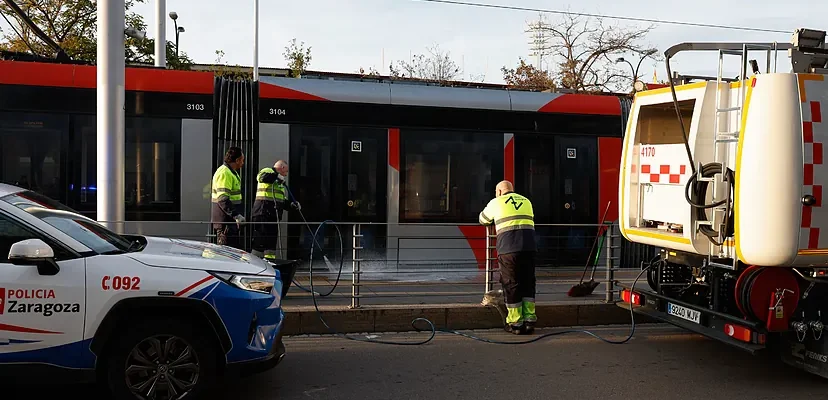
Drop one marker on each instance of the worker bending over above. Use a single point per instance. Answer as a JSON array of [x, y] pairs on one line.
[[227, 199], [513, 218], [268, 207]]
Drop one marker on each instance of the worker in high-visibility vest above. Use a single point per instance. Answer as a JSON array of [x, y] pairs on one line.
[[514, 221], [268, 207], [227, 199]]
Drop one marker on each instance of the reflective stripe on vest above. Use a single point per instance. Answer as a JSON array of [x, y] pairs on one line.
[[512, 212], [269, 191], [226, 184]]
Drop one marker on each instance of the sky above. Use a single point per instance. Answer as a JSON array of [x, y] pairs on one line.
[[346, 35]]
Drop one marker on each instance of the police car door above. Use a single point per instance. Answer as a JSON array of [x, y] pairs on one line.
[[41, 312]]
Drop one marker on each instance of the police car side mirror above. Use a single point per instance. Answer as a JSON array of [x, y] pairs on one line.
[[34, 252]]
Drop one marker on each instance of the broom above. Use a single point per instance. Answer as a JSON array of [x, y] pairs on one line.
[[586, 288]]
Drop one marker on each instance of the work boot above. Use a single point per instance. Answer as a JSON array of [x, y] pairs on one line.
[[528, 309], [514, 319]]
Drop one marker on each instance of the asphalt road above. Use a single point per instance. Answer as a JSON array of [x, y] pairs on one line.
[[659, 362]]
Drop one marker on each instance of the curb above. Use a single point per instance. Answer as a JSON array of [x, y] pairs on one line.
[[304, 320]]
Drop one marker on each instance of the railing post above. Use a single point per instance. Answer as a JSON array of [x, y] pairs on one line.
[[357, 247], [610, 268], [489, 260]]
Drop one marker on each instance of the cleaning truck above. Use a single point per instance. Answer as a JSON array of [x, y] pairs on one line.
[[726, 176]]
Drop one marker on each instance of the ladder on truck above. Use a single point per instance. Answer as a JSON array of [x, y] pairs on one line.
[[725, 137]]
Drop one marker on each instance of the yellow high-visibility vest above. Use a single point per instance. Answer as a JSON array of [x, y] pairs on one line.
[[274, 192], [226, 184], [509, 212]]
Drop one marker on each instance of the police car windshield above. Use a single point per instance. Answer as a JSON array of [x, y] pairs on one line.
[[85, 230]]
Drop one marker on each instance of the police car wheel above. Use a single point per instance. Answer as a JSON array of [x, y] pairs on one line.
[[161, 359]]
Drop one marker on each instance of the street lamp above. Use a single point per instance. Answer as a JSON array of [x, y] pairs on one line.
[[645, 54], [178, 30]]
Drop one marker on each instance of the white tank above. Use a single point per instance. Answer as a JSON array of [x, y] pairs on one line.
[[777, 159]]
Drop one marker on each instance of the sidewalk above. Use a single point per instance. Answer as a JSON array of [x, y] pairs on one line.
[[390, 306], [552, 286]]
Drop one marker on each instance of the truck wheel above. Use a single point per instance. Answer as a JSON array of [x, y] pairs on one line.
[[161, 359]]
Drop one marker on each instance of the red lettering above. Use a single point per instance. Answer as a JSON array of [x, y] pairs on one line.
[[30, 293], [121, 283]]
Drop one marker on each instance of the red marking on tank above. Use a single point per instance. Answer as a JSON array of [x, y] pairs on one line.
[[808, 176], [807, 132], [683, 169], [806, 217], [645, 169], [813, 238], [23, 329], [654, 178], [191, 287], [394, 148], [609, 164], [509, 160], [816, 114], [675, 178], [476, 237], [583, 104], [817, 196], [664, 169], [817, 153]]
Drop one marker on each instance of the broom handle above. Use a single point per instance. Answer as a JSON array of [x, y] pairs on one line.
[[595, 262], [594, 242]]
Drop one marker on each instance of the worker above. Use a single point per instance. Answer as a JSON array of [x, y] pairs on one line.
[[227, 199], [513, 218], [268, 208]]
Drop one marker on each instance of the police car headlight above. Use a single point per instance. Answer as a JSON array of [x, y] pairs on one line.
[[253, 283]]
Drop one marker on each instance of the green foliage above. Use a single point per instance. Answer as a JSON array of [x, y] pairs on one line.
[[72, 24], [298, 57]]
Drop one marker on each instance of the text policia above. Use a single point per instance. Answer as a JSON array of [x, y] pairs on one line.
[[34, 301]]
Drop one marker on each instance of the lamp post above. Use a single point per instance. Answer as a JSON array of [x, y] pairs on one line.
[[178, 31], [634, 70]]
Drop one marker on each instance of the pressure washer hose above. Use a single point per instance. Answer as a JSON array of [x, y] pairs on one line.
[[431, 326]]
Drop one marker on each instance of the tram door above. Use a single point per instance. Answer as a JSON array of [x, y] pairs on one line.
[[560, 176], [338, 174]]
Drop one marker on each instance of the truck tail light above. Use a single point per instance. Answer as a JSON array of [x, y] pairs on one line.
[[743, 334], [631, 297]]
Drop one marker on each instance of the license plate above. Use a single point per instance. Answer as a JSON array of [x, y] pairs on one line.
[[683, 313]]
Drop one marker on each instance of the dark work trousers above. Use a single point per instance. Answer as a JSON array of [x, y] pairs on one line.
[[228, 235], [266, 236], [517, 275]]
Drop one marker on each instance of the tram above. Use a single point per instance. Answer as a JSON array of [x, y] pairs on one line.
[[416, 161]]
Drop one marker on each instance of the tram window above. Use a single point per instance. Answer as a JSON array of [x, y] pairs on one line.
[[152, 170], [30, 155], [448, 176]]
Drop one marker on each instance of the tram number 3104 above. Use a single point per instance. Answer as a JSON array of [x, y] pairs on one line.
[[278, 111]]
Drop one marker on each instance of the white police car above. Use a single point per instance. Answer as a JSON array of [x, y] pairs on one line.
[[154, 318]]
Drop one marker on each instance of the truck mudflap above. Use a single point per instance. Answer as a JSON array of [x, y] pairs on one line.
[[809, 354], [745, 335]]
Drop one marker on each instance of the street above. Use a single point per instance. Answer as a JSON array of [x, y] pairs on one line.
[[660, 362]]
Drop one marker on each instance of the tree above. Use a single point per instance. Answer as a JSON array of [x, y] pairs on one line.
[[227, 71], [72, 25], [526, 76], [435, 66], [297, 57], [585, 51]]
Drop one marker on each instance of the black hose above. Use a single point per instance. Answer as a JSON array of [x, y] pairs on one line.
[[431, 326], [696, 191]]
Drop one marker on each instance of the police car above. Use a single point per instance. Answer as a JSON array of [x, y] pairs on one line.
[[153, 318]]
